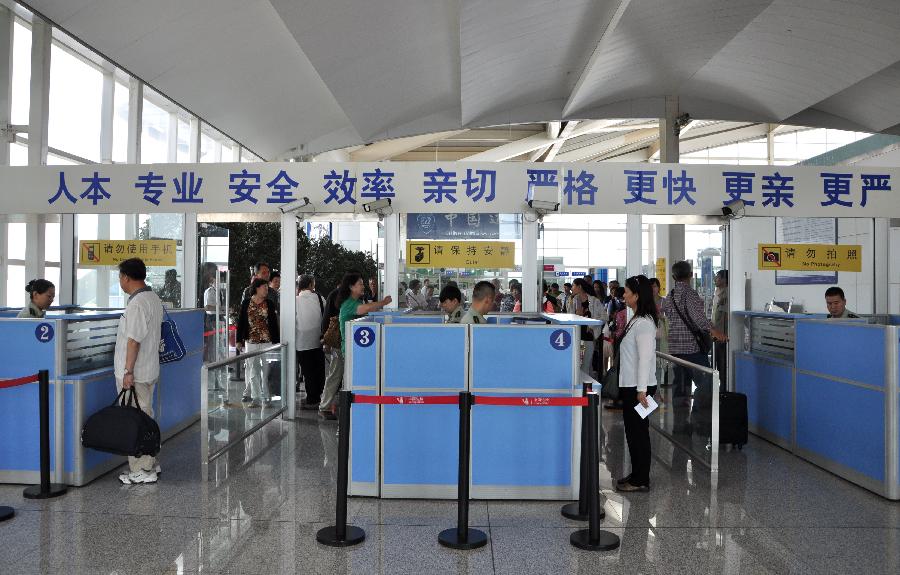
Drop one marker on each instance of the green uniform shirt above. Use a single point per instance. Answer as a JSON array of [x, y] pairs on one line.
[[472, 316], [455, 316], [348, 312]]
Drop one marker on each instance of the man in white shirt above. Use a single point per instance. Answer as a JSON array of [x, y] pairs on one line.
[[308, 341], [136, 363]]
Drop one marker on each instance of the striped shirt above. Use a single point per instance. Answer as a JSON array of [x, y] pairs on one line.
[[690, 304]]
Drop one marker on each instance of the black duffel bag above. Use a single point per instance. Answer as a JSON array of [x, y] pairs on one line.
[[122, 428]]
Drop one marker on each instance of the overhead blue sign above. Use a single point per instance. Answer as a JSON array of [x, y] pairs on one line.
[[453, 226]]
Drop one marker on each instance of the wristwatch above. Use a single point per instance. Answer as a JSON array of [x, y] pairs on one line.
[[128, 371]]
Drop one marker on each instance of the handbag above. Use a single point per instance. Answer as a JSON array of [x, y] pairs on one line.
[[610, 384], [332, 336], [171, 348], [703, 339], [122, 428]]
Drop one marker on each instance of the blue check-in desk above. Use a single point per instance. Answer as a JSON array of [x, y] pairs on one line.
[[412, 451], [827, 390], [77, 349]]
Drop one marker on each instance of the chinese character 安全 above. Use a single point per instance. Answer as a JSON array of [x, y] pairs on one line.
[[340, 187], [62, 190], [581, 185], [152, 186], [187, 189], [243, 185], [95, 191], [481, 183], [282, 188], [834, 186], [377, 185], [438, 185], [738, 185], [639, 182], [682, 185], [874, 183], [778, 190]]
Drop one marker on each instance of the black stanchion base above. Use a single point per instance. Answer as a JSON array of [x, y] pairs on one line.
[[570, 511], [606, 542], [328, 536], [34, 492], [450, 538], [6, 513]]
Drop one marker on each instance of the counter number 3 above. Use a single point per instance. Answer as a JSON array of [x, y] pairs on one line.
[[561, 339], [364, 336]]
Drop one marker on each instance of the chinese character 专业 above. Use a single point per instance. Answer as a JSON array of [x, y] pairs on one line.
[[187, 190], [152, 186]]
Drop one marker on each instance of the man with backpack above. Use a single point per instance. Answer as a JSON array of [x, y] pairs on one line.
[[308, 341]]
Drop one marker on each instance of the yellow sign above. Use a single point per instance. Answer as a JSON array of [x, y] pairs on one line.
[[463, 254], [113, 252], [661, 274], [810, 257]]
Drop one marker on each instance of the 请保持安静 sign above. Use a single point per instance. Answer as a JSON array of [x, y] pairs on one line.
[[810, 257], [469, 254], [113, 252]]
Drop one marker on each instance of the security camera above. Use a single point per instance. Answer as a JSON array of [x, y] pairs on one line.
[[542, 208], [299, 206], [381, 207], [734, 209]]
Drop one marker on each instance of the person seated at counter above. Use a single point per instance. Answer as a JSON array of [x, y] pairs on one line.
[[451, 303], [837, 304], [482, 303], [41, 294]]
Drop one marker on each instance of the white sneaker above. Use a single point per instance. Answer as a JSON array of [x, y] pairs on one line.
[[141, 476], [158, 469]]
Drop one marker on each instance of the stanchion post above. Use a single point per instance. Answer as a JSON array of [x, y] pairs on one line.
[[6, 513], [462, 536], [45, 490], [579, 511], [593, 538], [340, 534]]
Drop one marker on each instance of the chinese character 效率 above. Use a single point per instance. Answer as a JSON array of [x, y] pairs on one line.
[[340, 187], [377, 185]]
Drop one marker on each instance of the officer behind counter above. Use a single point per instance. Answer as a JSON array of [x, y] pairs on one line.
[[837, 304], [451, 303], [482, 303]]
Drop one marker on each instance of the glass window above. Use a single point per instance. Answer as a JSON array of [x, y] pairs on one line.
[[15, 286], [207, 149], [76, 93], [51, 242], [154, 134], [227, 153], [21, 74], [16, 247], [18, 154], [184, 142], [51, 273], [120, 122]]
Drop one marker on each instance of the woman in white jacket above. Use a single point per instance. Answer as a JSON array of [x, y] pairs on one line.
[[637, 379]]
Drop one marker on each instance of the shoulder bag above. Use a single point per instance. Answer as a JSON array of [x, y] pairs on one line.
[[171, 348], [703, 339]]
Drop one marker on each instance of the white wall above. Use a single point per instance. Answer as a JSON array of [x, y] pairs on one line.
[[858, 287], [894, 272]]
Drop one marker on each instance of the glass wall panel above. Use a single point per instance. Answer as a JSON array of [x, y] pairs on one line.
[[154, 134], [15, 286], [18, 154], [183, 154], [120, 123], [21, 73], [15, 246], [76, 93]]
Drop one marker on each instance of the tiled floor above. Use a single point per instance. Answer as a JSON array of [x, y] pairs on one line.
[[771, 513]]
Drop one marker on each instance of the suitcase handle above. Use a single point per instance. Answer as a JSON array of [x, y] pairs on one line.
[[124, 398]]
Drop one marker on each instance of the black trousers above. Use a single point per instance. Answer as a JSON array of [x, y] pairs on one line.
[[637, 434], [312, 365]]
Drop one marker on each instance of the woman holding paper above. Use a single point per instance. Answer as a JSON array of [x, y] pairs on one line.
[[637, 379]]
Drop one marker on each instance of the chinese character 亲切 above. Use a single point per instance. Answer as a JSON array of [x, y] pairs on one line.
[[439, 185], [483, 182], [778, 190]]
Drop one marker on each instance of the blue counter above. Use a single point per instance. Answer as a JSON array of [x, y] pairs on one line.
[[828, 391], [77, 350]]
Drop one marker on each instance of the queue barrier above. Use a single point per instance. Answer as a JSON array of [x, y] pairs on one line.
[[45, 490], [462, 536]]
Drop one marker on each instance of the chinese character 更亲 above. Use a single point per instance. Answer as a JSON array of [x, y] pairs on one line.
[[581, 185], [439, 185], [639, 182], [243, 185], [834, 186], [778, 190], [738, 185]]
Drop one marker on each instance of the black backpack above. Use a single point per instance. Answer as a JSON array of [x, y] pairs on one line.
[[122, 428]]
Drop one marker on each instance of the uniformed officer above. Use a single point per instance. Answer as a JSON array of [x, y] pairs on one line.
[[451, 303], [482, 303]]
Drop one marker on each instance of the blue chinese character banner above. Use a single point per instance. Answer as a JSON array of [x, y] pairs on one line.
[[466, 189]]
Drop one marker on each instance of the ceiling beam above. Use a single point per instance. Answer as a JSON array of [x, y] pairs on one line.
[[513, 149], [387, 149], [564, 134], [590, 151], [654, 147]]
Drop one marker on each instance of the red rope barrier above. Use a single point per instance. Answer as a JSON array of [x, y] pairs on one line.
[[407, 399], [6, 383], [212, 331], [532, 401]]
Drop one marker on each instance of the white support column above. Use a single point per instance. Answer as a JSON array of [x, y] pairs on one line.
[[531, 276], [6, 50], [135, 120], [38, 115], [670, 237], [634, 238], [107, 116], [288, 305], [882, 244], [34, 246], [737, 286], [65, 291], [391, 257], [103, 232], [189, 257], [195, 140]]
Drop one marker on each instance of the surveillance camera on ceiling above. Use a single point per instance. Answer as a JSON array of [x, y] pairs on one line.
[[543, 208], [734, 209], [299, 207], [381, 207]]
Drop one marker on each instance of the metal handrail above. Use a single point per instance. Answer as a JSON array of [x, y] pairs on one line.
[[679, 361], [243, 356]]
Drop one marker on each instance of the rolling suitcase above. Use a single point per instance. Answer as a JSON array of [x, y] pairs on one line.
[[732, 419]]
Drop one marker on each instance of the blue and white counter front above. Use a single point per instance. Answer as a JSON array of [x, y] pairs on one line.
[[77, 349], [828, 391], [413, 450]]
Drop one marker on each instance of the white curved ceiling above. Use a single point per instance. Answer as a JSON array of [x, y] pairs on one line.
[[324, 74]]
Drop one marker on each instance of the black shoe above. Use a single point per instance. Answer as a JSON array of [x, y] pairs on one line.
[[629, 488], [246, 399], [624, 480]]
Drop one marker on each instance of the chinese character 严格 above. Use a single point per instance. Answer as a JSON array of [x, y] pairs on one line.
[[343, 183], [440, 184], [738, 185], [152, 186], [682, 185], [243, 185], [187, 189], [483, 182], [377, 185], [581, 185], [874, 183], [639, 182], [834, 186], [778, 190], [62, 190], [282, 188], [95, 191]]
